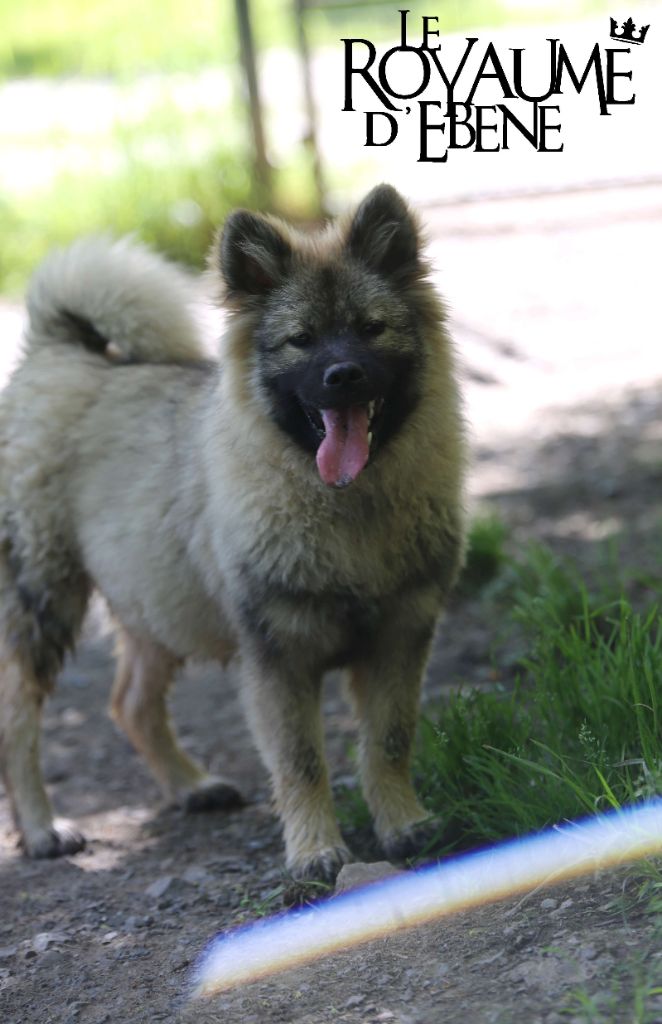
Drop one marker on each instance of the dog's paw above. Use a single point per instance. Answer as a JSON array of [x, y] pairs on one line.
[[322, 866], [421, 839], [60, 840], [212, 794]]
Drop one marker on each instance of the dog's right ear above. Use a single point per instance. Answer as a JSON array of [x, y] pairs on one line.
[[254, 255]]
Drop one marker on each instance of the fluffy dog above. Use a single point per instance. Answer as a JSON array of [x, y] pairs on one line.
[[295, 506]]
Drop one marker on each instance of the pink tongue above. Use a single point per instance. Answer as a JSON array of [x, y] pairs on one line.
[[345, 450]]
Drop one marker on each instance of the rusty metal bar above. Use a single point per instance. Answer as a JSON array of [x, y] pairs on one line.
[[249, 65], [311, 136]]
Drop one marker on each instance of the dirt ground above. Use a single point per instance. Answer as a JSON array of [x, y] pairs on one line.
[[566, 416]]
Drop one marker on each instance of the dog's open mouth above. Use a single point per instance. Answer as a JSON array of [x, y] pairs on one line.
[[346, 437]]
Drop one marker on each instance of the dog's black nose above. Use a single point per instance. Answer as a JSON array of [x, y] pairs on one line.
[[343, 375]]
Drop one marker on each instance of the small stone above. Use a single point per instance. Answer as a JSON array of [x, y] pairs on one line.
[[43, 940], [195, 875], [159, 887], [563, 906], [352, 876], [72, 718], [7, 952], [108, 937], [549, 904], [51, 958], [354, 1001], [228, 865]]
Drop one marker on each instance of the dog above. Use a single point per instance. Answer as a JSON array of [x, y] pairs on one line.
[[294, 506]]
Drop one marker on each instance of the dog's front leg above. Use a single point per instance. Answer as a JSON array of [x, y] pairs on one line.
[[283, 708], [385, 689]]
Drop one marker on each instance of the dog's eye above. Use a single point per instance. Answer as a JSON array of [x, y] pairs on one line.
[[373, 328], [300, 340]]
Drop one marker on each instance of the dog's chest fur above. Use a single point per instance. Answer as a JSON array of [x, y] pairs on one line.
[[331, 570]]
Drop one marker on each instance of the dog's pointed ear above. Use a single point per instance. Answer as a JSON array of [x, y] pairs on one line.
[[384, 234], [254, 254]]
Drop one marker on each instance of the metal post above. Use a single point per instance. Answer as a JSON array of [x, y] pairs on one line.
[[247, 50], [310, 138]]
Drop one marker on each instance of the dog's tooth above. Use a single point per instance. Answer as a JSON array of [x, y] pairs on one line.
[[369, 438], [371, 409]]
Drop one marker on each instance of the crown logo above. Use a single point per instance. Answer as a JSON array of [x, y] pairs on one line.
[[628, 33]]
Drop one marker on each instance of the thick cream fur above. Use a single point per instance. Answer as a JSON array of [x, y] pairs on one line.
[[134, 298], [166, 485]]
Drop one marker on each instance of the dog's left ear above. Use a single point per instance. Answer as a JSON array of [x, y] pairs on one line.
[[384, 235]]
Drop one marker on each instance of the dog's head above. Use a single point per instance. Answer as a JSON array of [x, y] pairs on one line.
[[338, 322]]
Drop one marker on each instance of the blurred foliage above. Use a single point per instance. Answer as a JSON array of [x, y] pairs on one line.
[[171, 177], [154, 201], [119, 37], [169, 172], [127, 37], [485, 553]]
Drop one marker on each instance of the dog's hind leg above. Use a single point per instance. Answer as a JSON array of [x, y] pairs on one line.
[[138, 704], [21, 697], [42, 603]]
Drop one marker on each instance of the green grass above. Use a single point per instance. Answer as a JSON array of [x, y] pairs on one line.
[[577, 733], [176, 208]]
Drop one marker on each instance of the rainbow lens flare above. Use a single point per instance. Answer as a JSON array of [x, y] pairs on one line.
[[287, 940]]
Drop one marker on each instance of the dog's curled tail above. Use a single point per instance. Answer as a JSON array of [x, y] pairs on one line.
[[115, 298]]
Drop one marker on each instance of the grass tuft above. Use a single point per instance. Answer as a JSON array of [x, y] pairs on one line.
[[579, 731]]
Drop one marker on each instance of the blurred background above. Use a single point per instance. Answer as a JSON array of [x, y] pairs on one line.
[[158, 118], [133, 115]]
